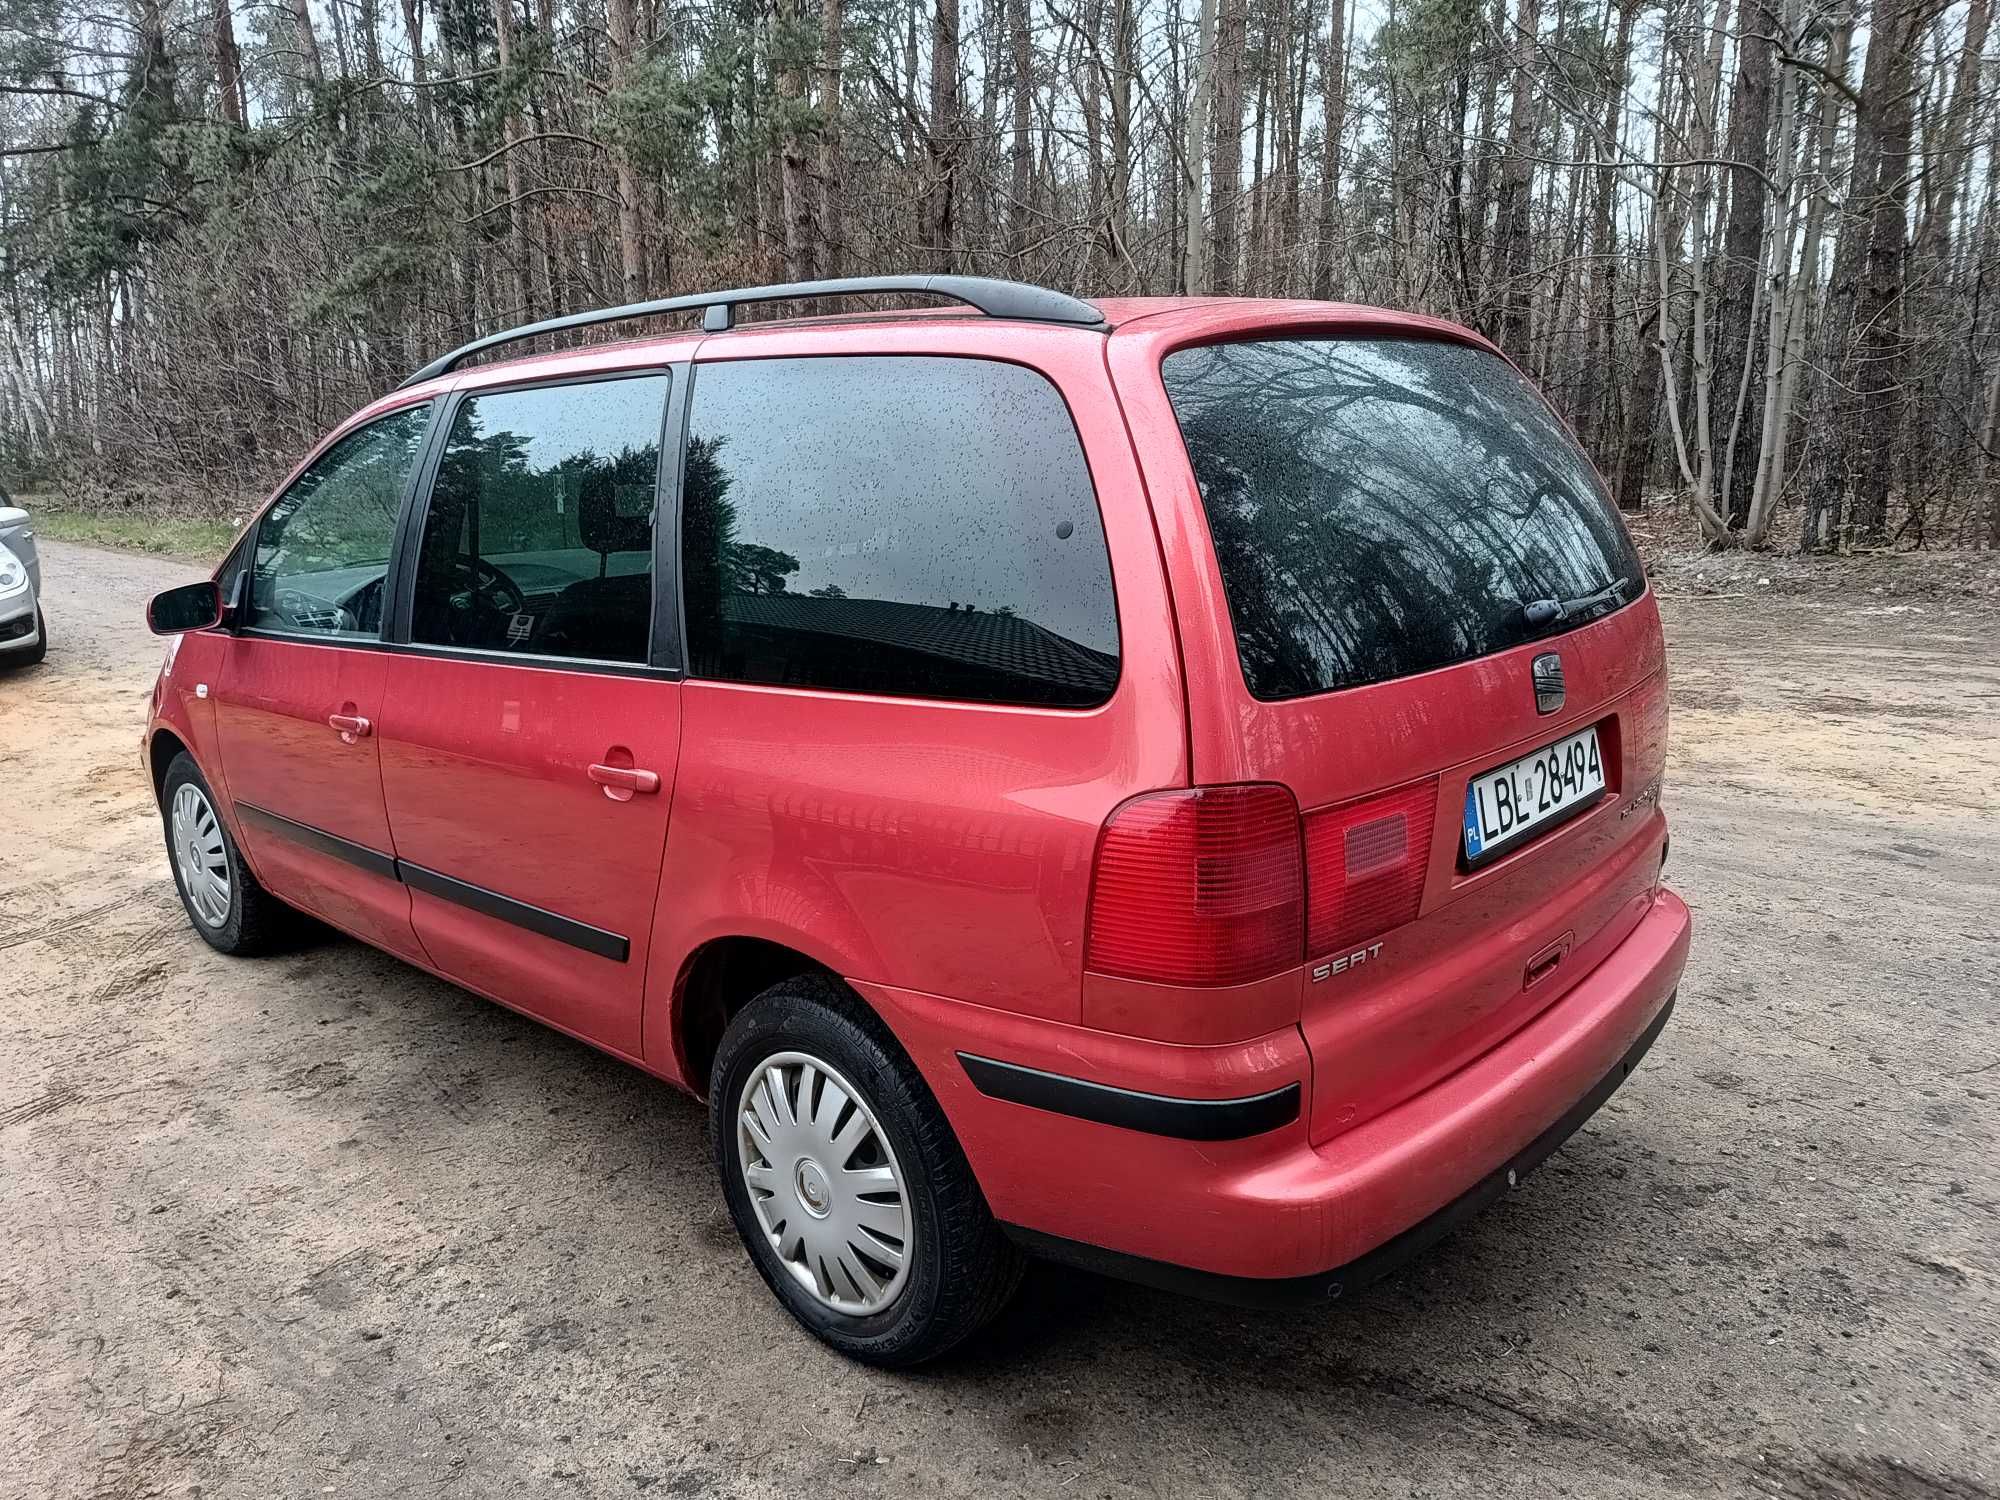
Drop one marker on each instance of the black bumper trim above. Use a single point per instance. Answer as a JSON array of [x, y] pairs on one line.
[[1155, 1114], [1324, 1286]]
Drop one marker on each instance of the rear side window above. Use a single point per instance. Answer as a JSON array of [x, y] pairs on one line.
[[921, 527], [1382, 506], [539, 537]]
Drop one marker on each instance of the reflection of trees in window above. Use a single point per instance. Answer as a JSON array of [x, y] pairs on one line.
[[522, 508], [342, 512], [1382, 507]]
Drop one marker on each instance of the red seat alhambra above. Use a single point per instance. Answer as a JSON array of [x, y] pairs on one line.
[[1172, 785]]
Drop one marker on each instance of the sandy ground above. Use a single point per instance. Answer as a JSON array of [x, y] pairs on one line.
[[322, 1225]]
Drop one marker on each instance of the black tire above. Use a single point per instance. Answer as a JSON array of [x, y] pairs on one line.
[[40, 649], [962, 1268], [257, 922]]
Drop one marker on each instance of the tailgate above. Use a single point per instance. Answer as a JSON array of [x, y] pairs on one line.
[[1403, 531], [1388, 1014]]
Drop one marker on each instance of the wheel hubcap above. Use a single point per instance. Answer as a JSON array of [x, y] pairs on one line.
[[199, 855], [824, 1183]]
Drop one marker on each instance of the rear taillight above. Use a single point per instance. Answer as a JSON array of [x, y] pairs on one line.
[[1365, 864], [1199, 887]]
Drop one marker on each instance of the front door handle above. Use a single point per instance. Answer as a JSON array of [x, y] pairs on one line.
[[626, 779], [352, 727]]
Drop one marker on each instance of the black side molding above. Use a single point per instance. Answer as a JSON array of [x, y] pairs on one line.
[[491, 903], [460, 892], [374, 861], [1324, 1286], [1155, 1114]]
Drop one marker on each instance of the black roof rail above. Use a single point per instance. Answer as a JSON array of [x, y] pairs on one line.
[[994, 298]]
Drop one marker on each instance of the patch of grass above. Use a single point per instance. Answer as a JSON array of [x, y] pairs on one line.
[[194, 540]]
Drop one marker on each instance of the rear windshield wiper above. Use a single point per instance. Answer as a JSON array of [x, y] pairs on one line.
[[1547, 611]]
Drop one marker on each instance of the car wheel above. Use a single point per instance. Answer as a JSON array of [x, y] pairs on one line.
[[34, 655], [228, 908], [846, 1183]]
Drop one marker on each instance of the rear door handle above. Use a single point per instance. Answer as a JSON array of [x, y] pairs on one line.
[[626, 779], [352, 727]]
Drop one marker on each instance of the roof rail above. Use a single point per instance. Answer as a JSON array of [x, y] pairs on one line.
[[996, 299]]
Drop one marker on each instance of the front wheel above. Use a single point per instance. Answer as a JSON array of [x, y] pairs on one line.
[[224, 902], [846, 1183]]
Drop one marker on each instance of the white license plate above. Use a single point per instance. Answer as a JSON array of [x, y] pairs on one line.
[[1506, 804]]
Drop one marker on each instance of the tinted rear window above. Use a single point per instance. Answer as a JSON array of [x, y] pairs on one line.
[[922, 527], [1385, 506]]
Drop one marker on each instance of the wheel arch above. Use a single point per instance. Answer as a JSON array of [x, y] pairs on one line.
[[161, 749], [716, 980]]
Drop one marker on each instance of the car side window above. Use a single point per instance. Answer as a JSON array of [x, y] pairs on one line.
[[539, 535], [916, 526], [323, 548]]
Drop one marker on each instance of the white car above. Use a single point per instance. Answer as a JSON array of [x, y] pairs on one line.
[[24, 635]]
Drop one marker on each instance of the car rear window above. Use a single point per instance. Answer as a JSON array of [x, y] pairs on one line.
[[1384, 506]]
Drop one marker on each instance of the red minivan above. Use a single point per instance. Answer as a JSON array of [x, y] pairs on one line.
[[1172, 785]]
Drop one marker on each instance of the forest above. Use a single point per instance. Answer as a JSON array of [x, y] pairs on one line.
[[1749, 248]]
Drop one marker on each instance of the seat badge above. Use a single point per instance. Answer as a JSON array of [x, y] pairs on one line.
[[1548, 675]]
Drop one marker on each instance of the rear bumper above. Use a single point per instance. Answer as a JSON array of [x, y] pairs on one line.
[[1324, 1286], [1271, 1206]]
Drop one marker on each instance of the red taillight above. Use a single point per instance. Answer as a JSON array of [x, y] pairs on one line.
[[1199, 887], [1365, 864]]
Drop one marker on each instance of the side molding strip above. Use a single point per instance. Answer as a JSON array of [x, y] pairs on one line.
[[359, 855], [461, 893], [491, 903], [1155, 1114]]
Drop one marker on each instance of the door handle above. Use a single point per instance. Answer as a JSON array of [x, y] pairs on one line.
[[626, 779], [352, 727]]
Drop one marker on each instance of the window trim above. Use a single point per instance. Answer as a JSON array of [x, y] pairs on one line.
[[663, 658], [254, 532], [686, 405]]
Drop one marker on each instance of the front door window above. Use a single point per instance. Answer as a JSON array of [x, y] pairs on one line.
[[323, 549]]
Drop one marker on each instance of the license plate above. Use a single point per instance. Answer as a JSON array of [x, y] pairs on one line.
[[1505, 805]]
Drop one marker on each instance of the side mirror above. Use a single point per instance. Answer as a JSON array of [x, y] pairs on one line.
[[192, 606], [11, 516]]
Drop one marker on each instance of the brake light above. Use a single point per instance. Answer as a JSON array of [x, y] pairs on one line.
[[1365, 865], [1199, 887]]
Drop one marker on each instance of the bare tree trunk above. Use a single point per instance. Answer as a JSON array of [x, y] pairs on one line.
[[1329, 252], [413, 27], [832, 20], [1743, 242], [940, 222], [794, 175], [1124, 65], [1603, 262], [1194, 269], [1878, 306], [1232, 31], [1021, 157], [631, 249], [308, 40], [228, 68], [510, 133], [1514, 251]]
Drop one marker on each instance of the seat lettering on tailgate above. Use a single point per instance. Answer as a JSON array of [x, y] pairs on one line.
[[1347, 961]]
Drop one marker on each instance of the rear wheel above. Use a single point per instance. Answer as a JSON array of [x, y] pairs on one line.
[[846, 1183], [228, 908]]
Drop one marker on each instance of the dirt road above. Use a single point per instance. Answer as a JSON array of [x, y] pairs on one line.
[[323, 1225]]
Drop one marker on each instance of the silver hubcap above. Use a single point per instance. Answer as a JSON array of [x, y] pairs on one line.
[[824, 1183], [199, 855]]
